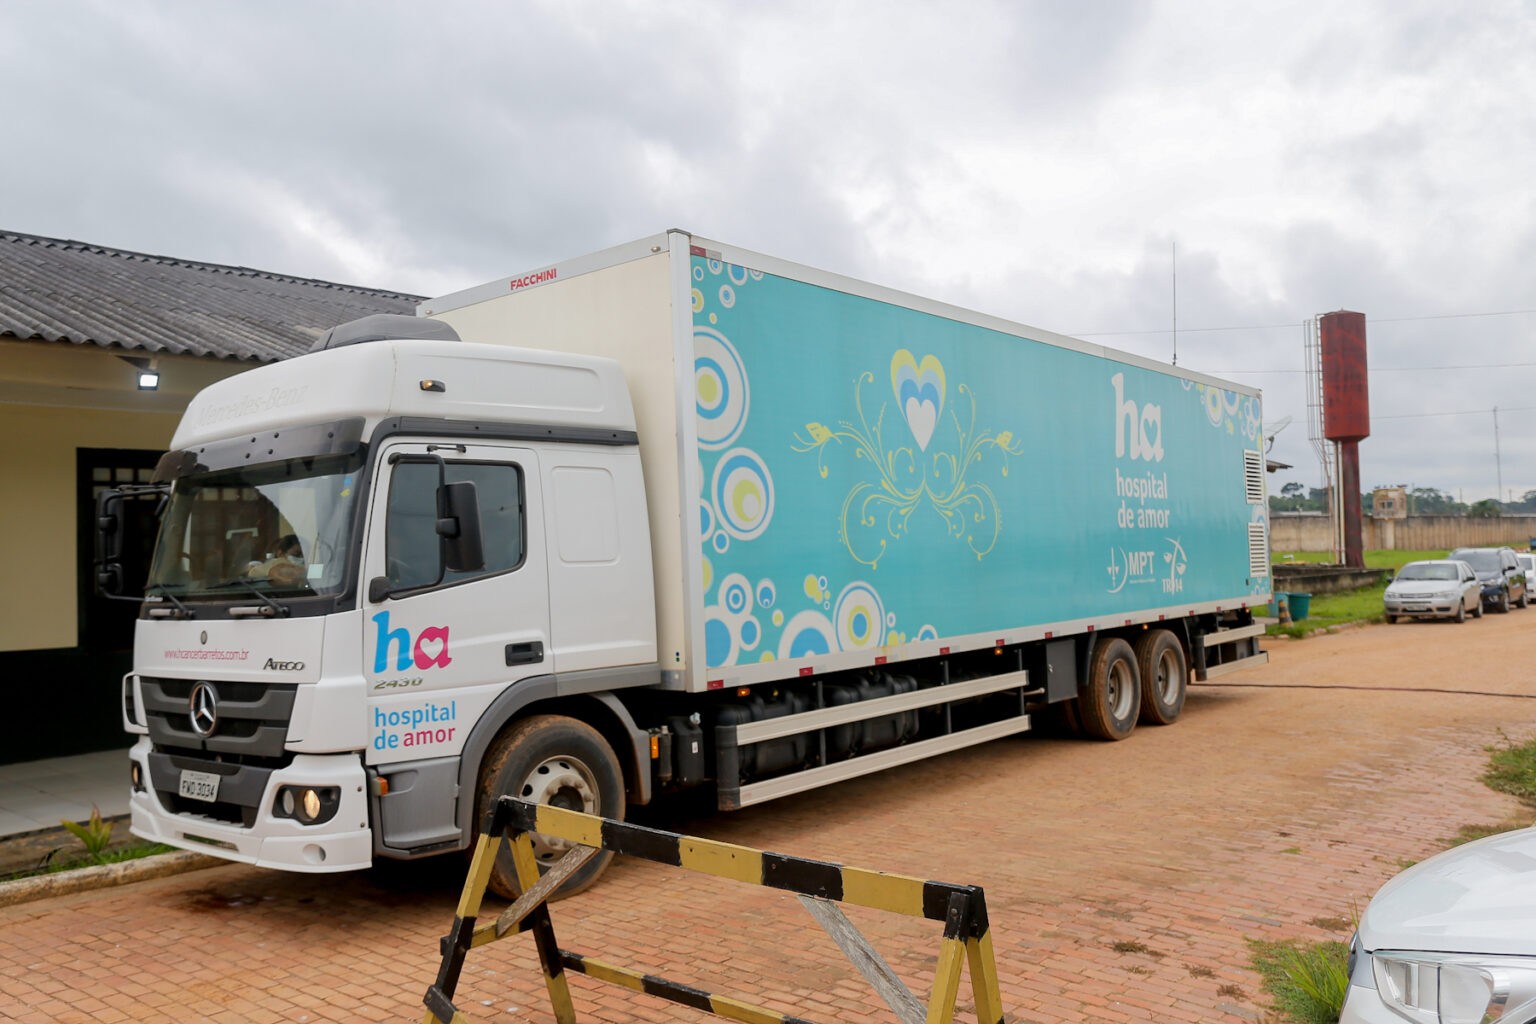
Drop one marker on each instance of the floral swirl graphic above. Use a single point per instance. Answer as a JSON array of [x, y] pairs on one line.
[[908, 476]]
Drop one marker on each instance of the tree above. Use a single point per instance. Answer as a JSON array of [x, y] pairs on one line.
[[1429, 501], [1488, 508]]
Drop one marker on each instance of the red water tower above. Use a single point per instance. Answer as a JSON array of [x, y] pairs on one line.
[[1346, 416]]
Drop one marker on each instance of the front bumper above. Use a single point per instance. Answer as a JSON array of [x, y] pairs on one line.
[[344, 843], [1364, 1006], [1424, 608]]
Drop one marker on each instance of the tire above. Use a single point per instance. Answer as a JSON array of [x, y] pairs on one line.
[[1391, 619], [1110, 699], [1503, 602], [1164, 676], [1477, 609], [1461, 612], [550, 759], [1525, 598]]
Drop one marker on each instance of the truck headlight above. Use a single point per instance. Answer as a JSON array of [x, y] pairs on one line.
[[1442, 988], [308, 805]]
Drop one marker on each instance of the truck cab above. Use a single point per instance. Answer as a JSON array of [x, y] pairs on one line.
[[364, 549]]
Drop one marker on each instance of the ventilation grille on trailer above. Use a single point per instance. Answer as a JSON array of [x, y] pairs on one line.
[[1258, 550], [1253, 476]]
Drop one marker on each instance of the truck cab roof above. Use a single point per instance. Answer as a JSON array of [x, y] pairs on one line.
[[432, 377]]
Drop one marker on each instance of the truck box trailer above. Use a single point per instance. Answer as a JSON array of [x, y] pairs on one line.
[[667, 516]]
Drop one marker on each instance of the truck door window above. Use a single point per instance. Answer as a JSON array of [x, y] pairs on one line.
[[412, 548]]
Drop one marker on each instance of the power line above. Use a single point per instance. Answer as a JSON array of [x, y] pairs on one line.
[[1464, 412], [1292, 326], [1397, 369]]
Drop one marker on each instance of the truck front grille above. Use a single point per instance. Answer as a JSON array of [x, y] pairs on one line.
[[251, 727]]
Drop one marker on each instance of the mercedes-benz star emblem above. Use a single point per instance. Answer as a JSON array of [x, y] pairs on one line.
[[203, 706]]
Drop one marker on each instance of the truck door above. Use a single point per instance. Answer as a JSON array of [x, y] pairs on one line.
[[438, 645]]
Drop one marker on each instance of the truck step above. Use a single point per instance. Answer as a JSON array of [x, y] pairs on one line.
[[772, 789]]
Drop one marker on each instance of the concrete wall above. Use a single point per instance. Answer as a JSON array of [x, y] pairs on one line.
[[1418, 533]]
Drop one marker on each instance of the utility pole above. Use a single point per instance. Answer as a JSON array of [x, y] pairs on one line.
[[1498, 462]]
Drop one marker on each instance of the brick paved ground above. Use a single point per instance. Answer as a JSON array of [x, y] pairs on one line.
[[1122, 879]]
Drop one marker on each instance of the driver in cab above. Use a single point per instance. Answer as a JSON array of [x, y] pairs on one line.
[[285, 566]]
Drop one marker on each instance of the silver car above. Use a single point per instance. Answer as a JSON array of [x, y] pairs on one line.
[[1439, 589], [1450, 939]]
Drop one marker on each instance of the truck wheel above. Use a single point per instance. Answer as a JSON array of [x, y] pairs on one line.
[[550, 759], [1164, 676], [1111, 698]]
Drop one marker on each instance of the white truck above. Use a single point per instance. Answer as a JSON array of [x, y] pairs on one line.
[[670, 515]]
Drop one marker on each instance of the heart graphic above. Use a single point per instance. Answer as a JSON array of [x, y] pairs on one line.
[[432, 648], [919, 389]]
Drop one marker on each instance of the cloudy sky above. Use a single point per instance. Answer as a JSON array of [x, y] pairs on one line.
[[1058, 162]]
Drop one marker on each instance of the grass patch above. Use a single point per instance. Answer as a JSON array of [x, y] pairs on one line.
[[1136, 947], [1362, 605], [1512, 770], [117, 855], [1307, 981]]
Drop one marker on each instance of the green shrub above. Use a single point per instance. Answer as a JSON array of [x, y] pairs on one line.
[[1512, 770], [95, 833], [1307, 981]]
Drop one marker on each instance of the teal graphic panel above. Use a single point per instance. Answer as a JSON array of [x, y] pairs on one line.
[[873, 475]]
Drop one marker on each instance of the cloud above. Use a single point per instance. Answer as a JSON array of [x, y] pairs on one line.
[[1037, 161]]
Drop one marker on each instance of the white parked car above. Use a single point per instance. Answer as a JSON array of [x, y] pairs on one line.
[[1528, 565], [1439, 589], [1452, 940]]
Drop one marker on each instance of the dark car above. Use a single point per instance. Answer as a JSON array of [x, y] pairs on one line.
[[1499, 571]]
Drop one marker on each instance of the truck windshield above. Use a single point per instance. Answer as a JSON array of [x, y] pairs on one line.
[[282, 528]]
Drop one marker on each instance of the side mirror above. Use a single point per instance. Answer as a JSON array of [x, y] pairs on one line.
[[458, 524], [379, 588], [109, 543]]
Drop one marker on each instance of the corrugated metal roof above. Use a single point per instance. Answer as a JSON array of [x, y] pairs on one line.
[[57, 290]]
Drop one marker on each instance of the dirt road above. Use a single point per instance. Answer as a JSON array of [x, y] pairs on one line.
[[1122, 879]]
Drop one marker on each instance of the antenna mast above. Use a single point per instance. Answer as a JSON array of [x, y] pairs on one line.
[[1173, 250]]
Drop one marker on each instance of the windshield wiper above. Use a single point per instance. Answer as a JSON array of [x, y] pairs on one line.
[[273, 608], [161, 589]]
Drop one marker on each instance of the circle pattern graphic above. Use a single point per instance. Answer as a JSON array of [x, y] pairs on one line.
[[860, 617], [735, 594], [808, 633], [743, 494], [720, 388]]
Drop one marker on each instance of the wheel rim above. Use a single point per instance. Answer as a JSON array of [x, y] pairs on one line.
[[1118, 690], [1165, 682], [559, 782]]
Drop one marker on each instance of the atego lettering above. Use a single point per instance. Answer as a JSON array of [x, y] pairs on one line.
[[273, 665]]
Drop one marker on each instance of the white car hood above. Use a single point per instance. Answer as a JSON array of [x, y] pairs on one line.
[[1421, 588], [1478, 898]]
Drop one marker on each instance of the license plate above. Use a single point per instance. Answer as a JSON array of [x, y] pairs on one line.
[[199, 786]]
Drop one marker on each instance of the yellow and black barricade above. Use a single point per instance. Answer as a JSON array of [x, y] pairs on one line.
[[820, 885]]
